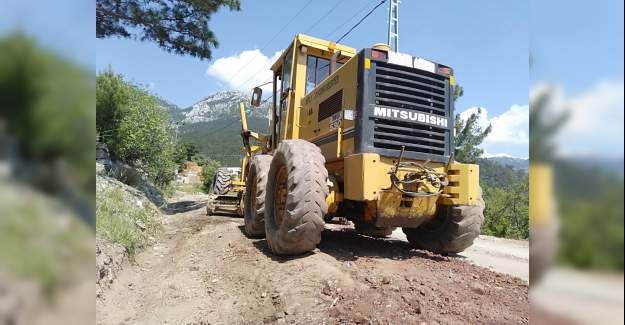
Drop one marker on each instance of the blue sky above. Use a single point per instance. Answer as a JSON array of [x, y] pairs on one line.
[[485, 41], [576, 45], [68, 29]]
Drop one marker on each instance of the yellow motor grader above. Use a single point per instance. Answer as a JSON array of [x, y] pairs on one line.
[[365, 135], [228, 184]]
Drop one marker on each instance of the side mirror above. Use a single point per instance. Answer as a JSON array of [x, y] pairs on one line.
[[257, 96]]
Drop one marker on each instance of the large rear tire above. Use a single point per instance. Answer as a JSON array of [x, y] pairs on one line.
[[221, 182], [453, 229], [254, 211], [296, 198]]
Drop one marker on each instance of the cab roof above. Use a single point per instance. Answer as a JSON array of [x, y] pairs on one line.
[[317, 43]]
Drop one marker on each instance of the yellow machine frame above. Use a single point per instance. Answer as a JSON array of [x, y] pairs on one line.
[[232, 202], [364, 176]]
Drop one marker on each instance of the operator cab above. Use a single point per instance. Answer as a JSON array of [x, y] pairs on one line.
[[296, 73]]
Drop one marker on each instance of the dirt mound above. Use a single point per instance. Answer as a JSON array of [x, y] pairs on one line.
[[397, 284], [108, 260]]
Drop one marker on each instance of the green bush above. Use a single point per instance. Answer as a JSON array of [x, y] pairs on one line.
[[137, 130], [590, 202], [41, 240], [506, 214], [209, 168], [505, 192], [46, 105]]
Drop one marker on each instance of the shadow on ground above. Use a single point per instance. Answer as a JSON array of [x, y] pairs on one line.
[[183, 206], [345, 244]]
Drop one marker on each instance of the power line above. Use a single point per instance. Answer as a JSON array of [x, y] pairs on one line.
[[269, 42], [324, 16], [266, 99], [348, 32], [321, 19], [361, 20], [256, 55], [348, 20]]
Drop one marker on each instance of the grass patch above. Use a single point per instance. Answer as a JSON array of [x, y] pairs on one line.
[[41, 242], [190, 188], [167, 189], [121, 218]]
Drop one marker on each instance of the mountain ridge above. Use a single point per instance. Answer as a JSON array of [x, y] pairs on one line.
[[514, 162], [212, 124], [220, 105]]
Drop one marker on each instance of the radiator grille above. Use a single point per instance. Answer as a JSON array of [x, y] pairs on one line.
[[330, 106], [413, 90]]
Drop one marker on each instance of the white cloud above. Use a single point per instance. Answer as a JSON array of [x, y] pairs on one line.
[[483, 119], [244, 70], [510, 127], [595, 121], [510, 133]]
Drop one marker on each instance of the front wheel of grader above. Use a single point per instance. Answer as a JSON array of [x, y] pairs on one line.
[[254, 211], [295, 201]]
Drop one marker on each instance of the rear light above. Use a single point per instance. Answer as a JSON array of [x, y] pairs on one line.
[[379, 55], [444, 70]]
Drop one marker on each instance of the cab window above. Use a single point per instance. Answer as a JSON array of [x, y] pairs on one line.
[[286, 72], [284, 91], [277, 90], [317, 70]]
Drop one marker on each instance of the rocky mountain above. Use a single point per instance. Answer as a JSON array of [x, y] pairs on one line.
[[213, 124], [175, 112], [219, 106]]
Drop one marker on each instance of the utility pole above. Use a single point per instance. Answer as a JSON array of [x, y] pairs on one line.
[[393, 25]]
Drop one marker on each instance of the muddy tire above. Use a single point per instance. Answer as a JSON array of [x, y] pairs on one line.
[[295, 201], [543, 247], [210, 205], [372, 230], [452, 230], [221, 182], [254, 211]]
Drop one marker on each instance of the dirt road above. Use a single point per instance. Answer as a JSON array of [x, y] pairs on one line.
[[205, 271], [580, 297], [500, 255]]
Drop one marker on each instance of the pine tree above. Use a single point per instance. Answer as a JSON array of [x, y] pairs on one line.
[[178, 26]]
